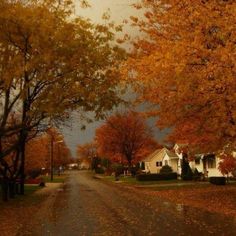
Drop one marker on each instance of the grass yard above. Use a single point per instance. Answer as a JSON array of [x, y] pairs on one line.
[[132, 181], [56, 178], [16, 211], [214, 198], [27, 198]]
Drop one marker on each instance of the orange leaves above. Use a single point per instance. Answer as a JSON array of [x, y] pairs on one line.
[[134, 19], [37, 153], [227, 165], [184, 66], [125, 137], [87, 151], [199, 196]]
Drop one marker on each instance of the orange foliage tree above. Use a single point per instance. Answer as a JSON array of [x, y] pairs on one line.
[[51, 63], [86, 152], [185, 64], [125, 138], [38, 151], [227, 165]]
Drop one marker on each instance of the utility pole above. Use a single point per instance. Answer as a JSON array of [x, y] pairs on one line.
[[51, 158]]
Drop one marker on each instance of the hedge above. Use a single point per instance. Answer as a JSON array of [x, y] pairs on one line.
[[150, 177], [99, 170], [217, 180]]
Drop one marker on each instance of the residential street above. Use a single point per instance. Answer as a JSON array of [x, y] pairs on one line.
[[88, 206]]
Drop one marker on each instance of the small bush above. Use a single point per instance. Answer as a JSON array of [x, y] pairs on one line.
[[153, 177], [42, 184], [118, 169], [166, 169], [188, 175], [234, 173], [217, 180], [197, 175], [134, 170], [34, 173], [99, 170]]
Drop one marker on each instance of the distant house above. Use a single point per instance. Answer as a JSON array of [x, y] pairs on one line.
[[207, 164], [72, 166], [154, 162]]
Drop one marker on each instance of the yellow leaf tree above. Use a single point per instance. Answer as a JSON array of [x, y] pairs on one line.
[[184, 65], [52, 63]]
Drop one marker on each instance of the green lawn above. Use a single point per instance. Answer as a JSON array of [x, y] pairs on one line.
[[163, 184], [56, 178], [133, 181]]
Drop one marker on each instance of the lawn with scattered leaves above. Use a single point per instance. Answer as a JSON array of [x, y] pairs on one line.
[[220, 199], [16, 211], [56, 179]]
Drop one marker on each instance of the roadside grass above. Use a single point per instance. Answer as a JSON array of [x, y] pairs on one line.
[[191, 185], [132, 180], [16, 212], [27, 199], [162, 185], [210, 197], [56, 178]]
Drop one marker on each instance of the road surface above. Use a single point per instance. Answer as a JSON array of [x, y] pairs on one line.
[[88, 206]]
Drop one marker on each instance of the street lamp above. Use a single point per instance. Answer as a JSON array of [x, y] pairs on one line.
[[52, 156], [55, 138]]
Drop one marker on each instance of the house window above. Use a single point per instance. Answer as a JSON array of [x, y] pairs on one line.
[[166, 163], [211, 162], [159, 163]]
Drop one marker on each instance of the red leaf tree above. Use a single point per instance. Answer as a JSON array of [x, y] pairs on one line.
[[125, 137], [227, 165]]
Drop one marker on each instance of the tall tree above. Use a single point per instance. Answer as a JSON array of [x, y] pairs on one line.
[[125, 137], [87, 152], [50, 64], [38, 151], [184, 63], [227, 164]]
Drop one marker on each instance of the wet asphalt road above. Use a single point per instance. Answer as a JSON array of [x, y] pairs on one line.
[[88, 206]]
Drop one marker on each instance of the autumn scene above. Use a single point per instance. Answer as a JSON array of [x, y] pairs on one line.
[[117, 117]]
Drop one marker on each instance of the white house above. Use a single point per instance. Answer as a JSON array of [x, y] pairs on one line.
[[204, 163], [160, 157]]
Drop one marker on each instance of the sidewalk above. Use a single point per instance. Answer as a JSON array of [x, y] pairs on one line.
[[49, 188]]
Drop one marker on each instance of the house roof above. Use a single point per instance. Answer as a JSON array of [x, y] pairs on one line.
[[152, 155], [171, 154], [159, 155], [179, 145]]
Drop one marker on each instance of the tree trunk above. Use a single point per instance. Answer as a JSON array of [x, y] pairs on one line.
[[22, 167], [12, 189], [17, 188], [4, 189]]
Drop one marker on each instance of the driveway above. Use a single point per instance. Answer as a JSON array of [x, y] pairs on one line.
[[88, 206]]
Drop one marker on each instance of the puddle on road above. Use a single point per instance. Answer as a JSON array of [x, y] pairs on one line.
[[214, 223]]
